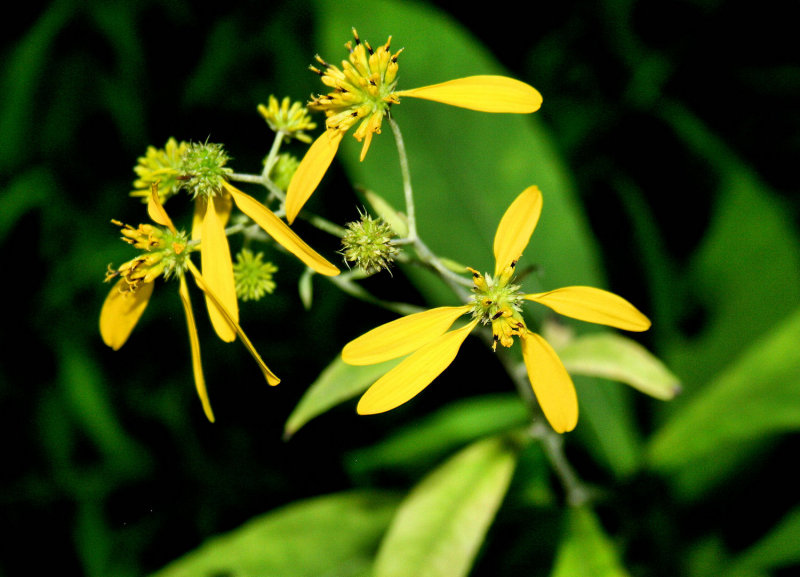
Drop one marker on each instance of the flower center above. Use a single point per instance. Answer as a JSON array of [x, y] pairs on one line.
[[363, 89], [498, 302], [164, 254]]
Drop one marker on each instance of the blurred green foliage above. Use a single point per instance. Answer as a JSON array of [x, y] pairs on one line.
[[665, 149]]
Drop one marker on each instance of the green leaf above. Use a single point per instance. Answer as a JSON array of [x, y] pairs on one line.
[[753, 399], [424, 441], [779, 548], [612, 356], [338, 383], [440, 526], [586, 550], [331, 535]]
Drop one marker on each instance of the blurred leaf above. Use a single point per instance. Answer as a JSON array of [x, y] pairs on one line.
[[781, 547], [28, 190], [440, 526], [338, 383], [746, 274], [612, 356], [420, 443], [23, 70], [332, 535], [586, 550], [755, 397]]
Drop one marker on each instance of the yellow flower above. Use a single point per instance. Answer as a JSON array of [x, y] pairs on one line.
[[363, 92], [206, 179], [162, 165], [431, 346], [288, 118], [166, 254]]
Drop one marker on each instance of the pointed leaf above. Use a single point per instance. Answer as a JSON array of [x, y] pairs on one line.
[[593, 305], [615, 357], [586, 550], [194, 343], [338, 383], [551, 383], [309, 173], [217, 266], [121, 310], [441, 524]]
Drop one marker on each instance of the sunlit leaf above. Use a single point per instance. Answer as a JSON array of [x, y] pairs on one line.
[[613, 356], [586, 550], [440, 526], [331, 535]]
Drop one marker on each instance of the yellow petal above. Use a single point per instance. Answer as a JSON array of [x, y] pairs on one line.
[[194, 342], [415, 373], [310, 171], [483, 93], [593, 305], [218, 272], [400, 337], [282, 234], [155, 209], [551, 383], [271, 378], [121, 311], [516, 227]]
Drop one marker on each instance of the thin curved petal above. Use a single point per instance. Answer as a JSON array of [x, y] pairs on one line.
[[121, 311], [593, 305], [310, 171], [415, 373], [400, 337], [551, 383], [282, 234], [155, 209], [516, 227], [271, 378], [215, 256], [194, 342], [482, 93]]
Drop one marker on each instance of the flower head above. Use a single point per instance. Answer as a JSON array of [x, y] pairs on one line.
[[162, 165], [165, 253], [363, 91], [253, 276], [431, 345], [288, 118], [367, 243]]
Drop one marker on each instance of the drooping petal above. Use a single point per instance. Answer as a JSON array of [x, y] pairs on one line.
[[194, 342], [551, 383], [215, 256], [271, 378], [282, 234], [482, 93], [415, 373], [121, 311], [516, 227], [310, 171], [155, 209], [593, 305], [400, 337]]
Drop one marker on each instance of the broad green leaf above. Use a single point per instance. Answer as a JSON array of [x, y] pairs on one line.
[[420, 443], [612, 356], [586, 550], [753, 399], [331, 535], [338, 383], [746, 273], [440, 526], [779, 548]]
